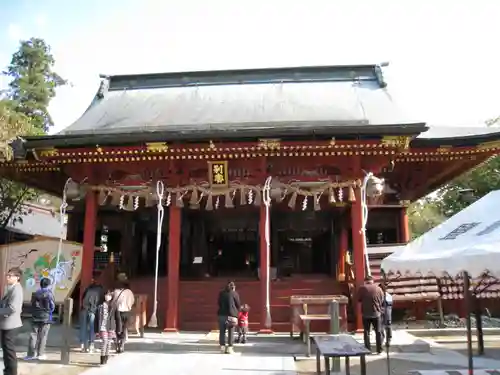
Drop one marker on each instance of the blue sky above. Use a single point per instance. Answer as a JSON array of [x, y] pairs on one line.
[[443, 60]]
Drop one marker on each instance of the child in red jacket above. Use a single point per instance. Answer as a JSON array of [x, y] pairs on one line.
[[243, 324]]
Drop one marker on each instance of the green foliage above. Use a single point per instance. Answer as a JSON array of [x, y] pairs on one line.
[[24, 111], [424, 215], [480, 180], [33, 82]]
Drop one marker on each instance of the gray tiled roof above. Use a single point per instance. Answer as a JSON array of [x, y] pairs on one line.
[[337, 96], [437, 132]]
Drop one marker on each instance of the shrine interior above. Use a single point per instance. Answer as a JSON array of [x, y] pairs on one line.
[[225, 242]]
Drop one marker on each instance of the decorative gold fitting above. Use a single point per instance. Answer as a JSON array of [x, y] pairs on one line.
[[269, 144], [400, 142], [444, 149], [49, 153], [156, 147]]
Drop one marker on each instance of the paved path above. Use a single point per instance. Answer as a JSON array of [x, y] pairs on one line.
[[133, 363]]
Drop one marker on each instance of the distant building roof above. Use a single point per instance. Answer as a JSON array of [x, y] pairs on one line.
[[260, 99]]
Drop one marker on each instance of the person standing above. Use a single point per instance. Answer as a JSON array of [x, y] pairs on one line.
[[371, 297], [124, 299], [42, 305], [387, 316], [93, 296], [108, 318], [228, 309], [11, 307]]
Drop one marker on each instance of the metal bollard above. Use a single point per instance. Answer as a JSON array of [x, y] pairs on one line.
[[335, 330], [67, 331]]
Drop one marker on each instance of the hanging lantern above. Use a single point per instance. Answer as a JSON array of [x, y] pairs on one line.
[[136, 203], [375, 187], [292, 201], [341, 194]]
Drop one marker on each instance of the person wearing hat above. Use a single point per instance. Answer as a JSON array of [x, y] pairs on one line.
[[11, 306]]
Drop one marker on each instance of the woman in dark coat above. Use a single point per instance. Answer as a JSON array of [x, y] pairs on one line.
[[229, 306]]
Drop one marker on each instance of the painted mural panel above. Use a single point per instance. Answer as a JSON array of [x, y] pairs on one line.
[[37, 259]]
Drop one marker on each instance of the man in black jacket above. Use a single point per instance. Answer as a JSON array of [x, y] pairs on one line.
[[229, 306], [42, 304]]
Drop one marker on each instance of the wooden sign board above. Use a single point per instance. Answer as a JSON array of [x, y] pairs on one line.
[[37, 259], [218, 174]]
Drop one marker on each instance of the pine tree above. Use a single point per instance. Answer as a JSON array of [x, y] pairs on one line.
[[33, 81]]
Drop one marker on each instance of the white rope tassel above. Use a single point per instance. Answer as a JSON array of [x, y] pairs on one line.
[[364, 218], [62, 215], [266, 197], [160, 188]]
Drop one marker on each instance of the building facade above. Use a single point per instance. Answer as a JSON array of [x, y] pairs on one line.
[[213, 140]]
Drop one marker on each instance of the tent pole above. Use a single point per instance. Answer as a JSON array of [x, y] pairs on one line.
[[467, 300]]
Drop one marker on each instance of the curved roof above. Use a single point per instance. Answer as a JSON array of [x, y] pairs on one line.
[[338, 96]]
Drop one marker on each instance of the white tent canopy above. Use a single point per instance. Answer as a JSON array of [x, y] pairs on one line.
[[468, 241]]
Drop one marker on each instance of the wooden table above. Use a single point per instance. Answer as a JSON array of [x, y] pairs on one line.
[[306, 319], [337, 346]]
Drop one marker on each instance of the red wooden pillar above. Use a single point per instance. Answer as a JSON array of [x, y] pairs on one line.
[[174, 253], [358, 243], [343, 244], [264, 269], [89, 228], [404, 227]]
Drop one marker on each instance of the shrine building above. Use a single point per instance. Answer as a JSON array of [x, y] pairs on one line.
[[213, 138]]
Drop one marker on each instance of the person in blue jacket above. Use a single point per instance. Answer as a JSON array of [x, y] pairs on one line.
[[42, 305]]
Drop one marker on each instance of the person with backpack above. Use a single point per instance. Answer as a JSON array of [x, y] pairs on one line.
[[43, 305], [93, 296]]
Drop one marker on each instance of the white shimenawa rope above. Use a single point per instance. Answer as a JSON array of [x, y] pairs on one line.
[[159, 193], [364, 218], [62, 216], [266, 198]]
